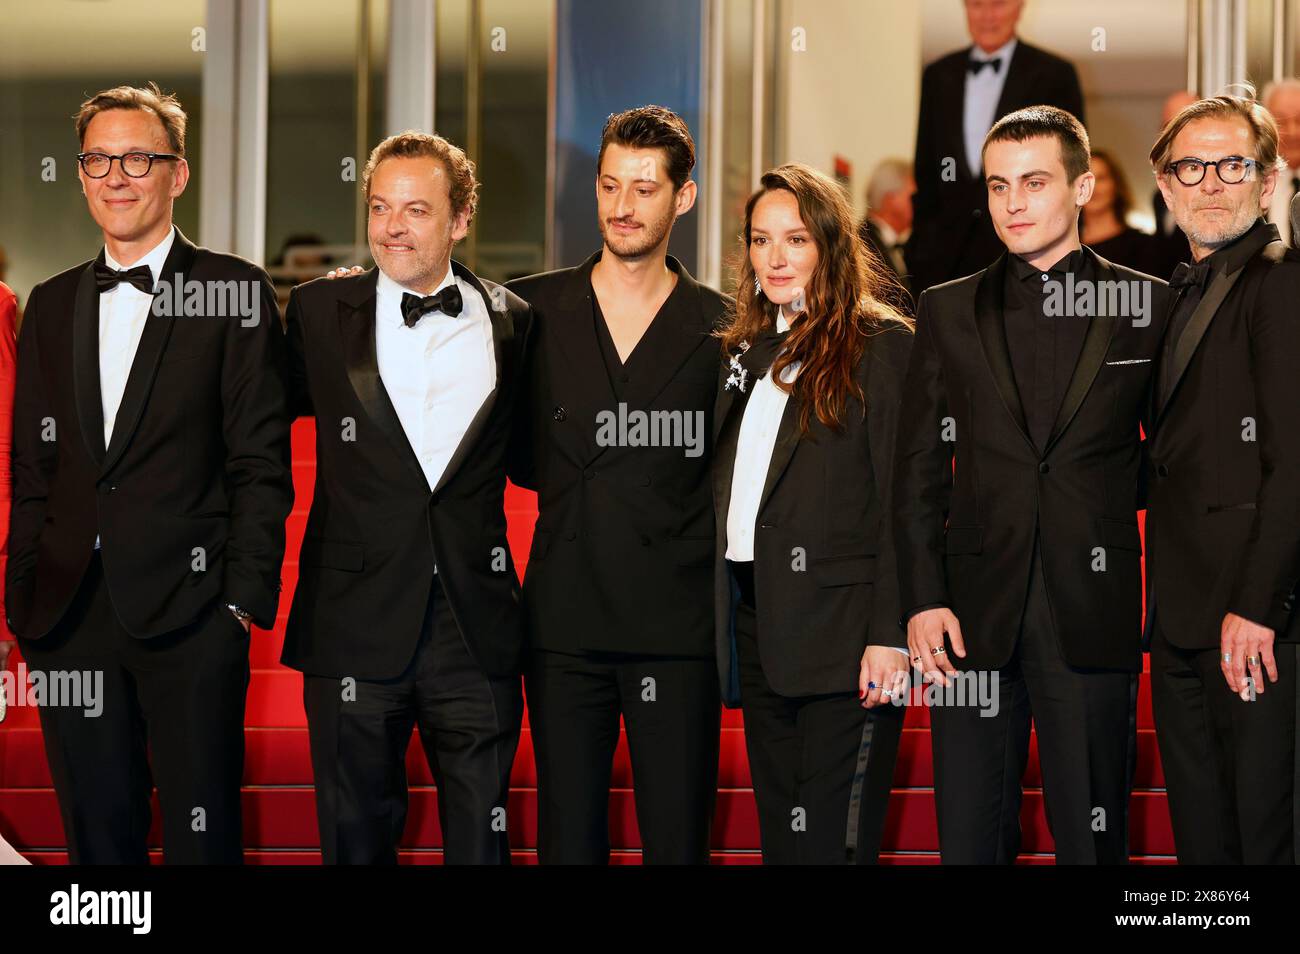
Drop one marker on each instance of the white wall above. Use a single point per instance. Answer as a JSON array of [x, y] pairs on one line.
[[854, 92]]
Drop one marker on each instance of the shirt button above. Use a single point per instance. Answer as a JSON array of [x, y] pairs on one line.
[[1044, 467], [589, 474], [1162, 470]]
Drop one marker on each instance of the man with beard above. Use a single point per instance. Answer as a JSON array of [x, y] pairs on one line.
[[618, 594], [1223, 525]]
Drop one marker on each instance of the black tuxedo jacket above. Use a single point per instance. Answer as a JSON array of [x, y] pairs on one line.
[[622, 554], [952, 234], [376, 534], [825, 575], [1223, 528], [966, 534], [199, 456]]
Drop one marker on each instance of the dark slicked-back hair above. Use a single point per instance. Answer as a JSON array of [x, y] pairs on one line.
[[652, 127], [1035, 121]]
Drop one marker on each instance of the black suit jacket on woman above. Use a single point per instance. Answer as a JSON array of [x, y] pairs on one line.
[[825, 576], [376, 531], [966, 536], [622, 553], [952, 234], [199, 456], [1223, 530]]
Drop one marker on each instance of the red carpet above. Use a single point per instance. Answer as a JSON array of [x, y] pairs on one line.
[[280, 817]]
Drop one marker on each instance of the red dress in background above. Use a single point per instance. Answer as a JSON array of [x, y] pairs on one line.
[[8, 373]]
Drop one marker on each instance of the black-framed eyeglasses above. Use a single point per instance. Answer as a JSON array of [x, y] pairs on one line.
[[1230, 169], [137, 165]]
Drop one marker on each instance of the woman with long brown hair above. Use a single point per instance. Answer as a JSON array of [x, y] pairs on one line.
[[809, 643]]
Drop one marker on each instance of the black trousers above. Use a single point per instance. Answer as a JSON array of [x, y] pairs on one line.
[[171, 713], [1086, 723], [1231, 767], [822, 766], [672, 714], [360, 731]]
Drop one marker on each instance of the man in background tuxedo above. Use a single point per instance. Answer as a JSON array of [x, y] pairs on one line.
[[619, 589], [407, 607], [1024, 560], [1223, 528], [888, 221], [962, 95], [1169, 246], [151, 486], [1282, 100]]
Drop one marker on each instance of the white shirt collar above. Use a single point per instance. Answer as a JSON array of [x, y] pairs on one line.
[[390, 288], [155, 258], [781, 324], [1005, 50]]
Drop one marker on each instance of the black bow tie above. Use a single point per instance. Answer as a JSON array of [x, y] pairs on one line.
[[1185, 275], [976, 65], [447, 301], [106, 279]]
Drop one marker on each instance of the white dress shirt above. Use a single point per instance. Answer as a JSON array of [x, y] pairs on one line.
[[122, 314], [980, 103], [754, 449], [1279, 209], [754, 446], [438, 373]]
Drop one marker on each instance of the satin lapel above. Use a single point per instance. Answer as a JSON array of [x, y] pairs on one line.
[[144, 368], [503, 335], [357, 334], [85, 365], [1096, 342], [1197, 325], [993, 339], [787, 439], [673, 336], [728, 411]]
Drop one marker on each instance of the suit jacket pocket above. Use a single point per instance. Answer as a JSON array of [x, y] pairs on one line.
[[333, 554], [1120, 535], [692, 551], [964, 540], [844, 570]]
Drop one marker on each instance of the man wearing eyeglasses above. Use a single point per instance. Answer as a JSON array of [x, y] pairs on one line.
[[151, 485], [1223, 525]]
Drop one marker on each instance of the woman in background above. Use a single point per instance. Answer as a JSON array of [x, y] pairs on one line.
[[1105, 226], [8, 366], [809, 642]]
